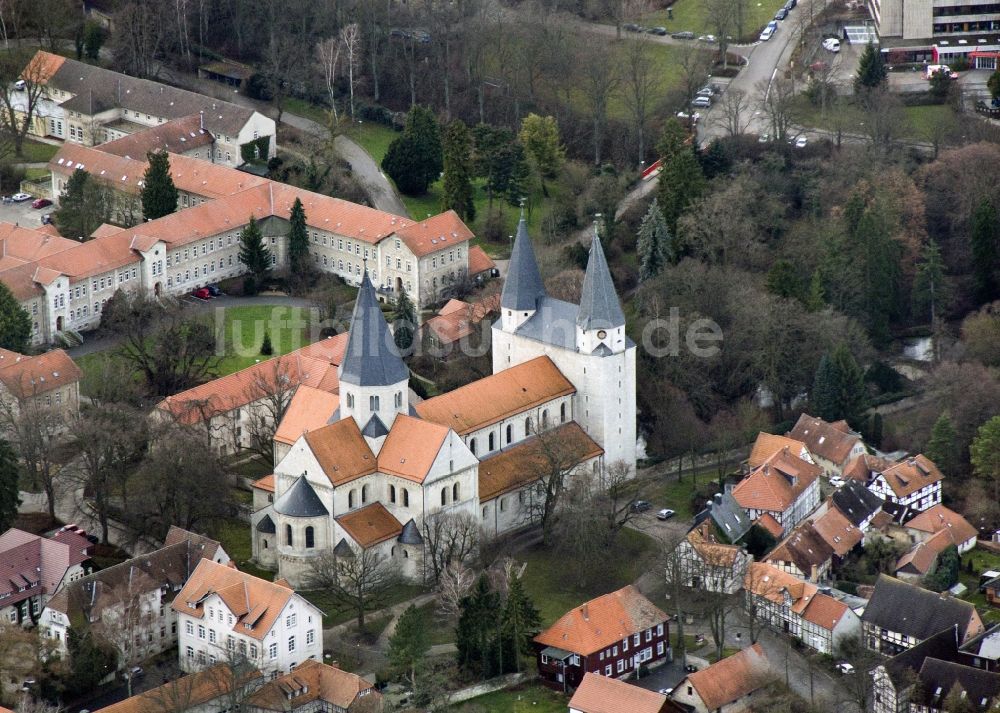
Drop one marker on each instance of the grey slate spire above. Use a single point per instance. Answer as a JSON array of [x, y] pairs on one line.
[[300, 500], [523, 286], [371, 358], [599, 306]]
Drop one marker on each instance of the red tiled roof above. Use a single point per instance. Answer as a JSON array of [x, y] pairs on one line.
[[370, 525], [599, 694], [939, 518], [732, 678], [479, 261], [910, 475], [831, 441], [767, 444], [837, 531], [768, 522], [27, 376], [440, 232], [776, 483], [176, 136]]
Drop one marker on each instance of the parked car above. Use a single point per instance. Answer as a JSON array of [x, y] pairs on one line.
[[767, 34], [630, 27], [781, 14], [202, 293], [837, 482], [789, 5], [710, 39], [665, 691], [685, 116], [641, 506], [701, 102], [933, 69], [214, 290], [661, 31], [800, 143], [707, 91], [21, 197], [41, 203], [47, 219], [845, 668], [683, 35], [20, 85], [665, 514], [134, 672], [691, 668], [831, 44]]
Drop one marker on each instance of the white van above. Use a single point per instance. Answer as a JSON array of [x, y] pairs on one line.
[[766, 34], [831, 44], [933, 69]]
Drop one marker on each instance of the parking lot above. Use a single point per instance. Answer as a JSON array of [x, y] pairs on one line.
[[23, 214]]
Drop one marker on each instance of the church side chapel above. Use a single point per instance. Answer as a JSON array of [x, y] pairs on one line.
[[377, 468]]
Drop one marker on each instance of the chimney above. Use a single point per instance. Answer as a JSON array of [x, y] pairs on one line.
[[586, 612], [201, 120], [717, 498]]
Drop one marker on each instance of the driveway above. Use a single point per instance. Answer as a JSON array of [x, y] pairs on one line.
[[23, 214]]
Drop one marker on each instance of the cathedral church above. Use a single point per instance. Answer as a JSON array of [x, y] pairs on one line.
[[378, 467]]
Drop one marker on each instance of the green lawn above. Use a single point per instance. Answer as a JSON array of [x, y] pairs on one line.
[[693, 15], [676, 494], [546, 582], [982, 560], [37, 152], [37, 174], [438, 633], [243, 331], [524, 699], [919, 121], [333, 614], [234, 535], [373, 138]]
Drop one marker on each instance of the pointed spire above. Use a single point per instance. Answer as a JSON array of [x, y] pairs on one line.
[[371, 358], [300, 500], [523, 286], [599, 306]]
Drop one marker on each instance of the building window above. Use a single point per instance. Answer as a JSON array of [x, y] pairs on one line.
[[201, 632], [364, 494], [272, 651], [444, 496], [492, 444], [392, 493], [527, 426], [350, 400], [406, 498], [510, 433], [350, 499], [310, 636], [288, 535], [399, 399], [472, 446], [562, 413], [290, 620], [189, 628], [373, 403], [291, 644], [190, 652], [454, 492], [310, 543]]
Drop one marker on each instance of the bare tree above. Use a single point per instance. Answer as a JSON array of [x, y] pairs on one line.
[[268, 396], [775, 99], [674, 568], [140, 37], [884, 117], [350, 38], [19, 103], [126, 621], [450, 539], [238, 674], [328, 57], [640, 85], [358, 581], [858, 685], [694, 64], [600, 79], [453, 584], [30, 704], [33, 428], [721, 17], [734, 112]]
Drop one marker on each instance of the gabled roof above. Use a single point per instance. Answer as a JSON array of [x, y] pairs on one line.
[[266, 483], [856, 502], [27, 376], [825, 612], [922, 556], [313, 681], [941, 645], [602, 622], [254, 602], [206, 545], [776, 483], [565, 446], [711, 551], [938, 518], [371, 357], [370, 525], [767, 444], [479, 261], [837, 531], [176, 136], [300, 500], [309, 409], [832, 441], [341, 451], [499, 396], [599, 305], [728, 516], [910, 475], [804, 547], [37, 563], [732, 678], [411, 447], [911, 610], [375, 428], [981, 688], [772, 526], [522, 286], [600, 694], [778, 586], [864, 467], [190, 691], [440, 232]]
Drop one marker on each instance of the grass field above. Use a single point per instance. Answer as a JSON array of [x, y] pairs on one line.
[[546, 582], [234, 535], [677, 494], [333, 614], [36, 152], [243, 328], [693, 16], [525, 699], [982, 560], [919, 121]]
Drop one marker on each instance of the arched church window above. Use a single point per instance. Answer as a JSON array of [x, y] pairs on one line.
[[527, 426], [350, 499], [492, 442], [444, 496], [373, 403], [472, 446], [392, 493], [364, 494], [399, 399], [406, 498], [545, 419], [454, 492], [350, 400], [310, 538], [288, 535], [510, 433], [562, 412]]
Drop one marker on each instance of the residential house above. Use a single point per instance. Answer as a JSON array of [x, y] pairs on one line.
[[865, 467], [938, 519], [910, 486], [599, 694], [731, 520], [900, 615], [457, 321], [186, 136], [90, 105], [33, 568], [221, 609], [784, 487], [920, 679], [205, 547], [839, 533], [992, 591], [706, 563], [832, 445], [137, 591], [803, 553], [210, 690], [922, 558], [983, 651], [611, 635], [49, 381], [315, 687], [727, 686], [798, 608], [857, 503], [767, 444]]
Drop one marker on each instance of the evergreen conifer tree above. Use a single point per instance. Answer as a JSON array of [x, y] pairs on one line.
[[815, 298], [985, 250], [942, 446], [298, 240], [404, 319], [475, 636], [872, 72], [414, 159], [255, 256], [928, 283], [409, 642], [653, 244], [823, 399], [521, 621], [850, 382], [15, 323], [458, 192], [159, 194], [266, 348], [682, 182], [10, 499]]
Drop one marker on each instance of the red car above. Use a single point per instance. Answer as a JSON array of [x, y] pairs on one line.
[[41, 203], [202, 294]]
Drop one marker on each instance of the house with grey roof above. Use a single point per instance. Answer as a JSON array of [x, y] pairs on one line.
[[857, 503]]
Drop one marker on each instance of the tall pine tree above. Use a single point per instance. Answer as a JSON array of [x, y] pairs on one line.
[[298, 240], [458, 192], [159, 194], [815, 299], [942, 446], [10, 499], [928, 283], [414, 159], [851, 385], [653, 244], [475, 636], [409, 642], [985, 250], [681, 183], [521, 621], [823, 398], [404, 321], [255, 257], [15, 323], [872, 72]]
